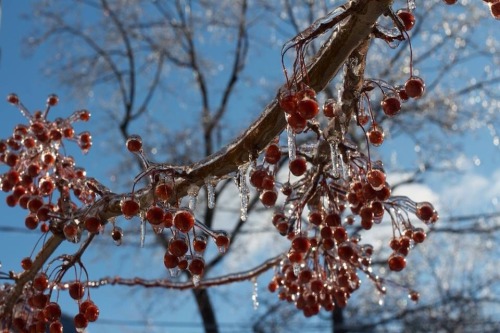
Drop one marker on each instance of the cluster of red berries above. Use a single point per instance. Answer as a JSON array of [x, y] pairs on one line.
[[321, 267], [189, 237], [38, 314], [41, 179]]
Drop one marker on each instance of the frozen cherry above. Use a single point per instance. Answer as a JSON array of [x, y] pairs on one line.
[[129, 207], [164, 191], [376, 135], [134, 143], [396, 262], [298, 166], [376, 179], [154, 215], [308, 108], [301, 244], [414, 87], [178, 247], [52, 100], [184, 220], [76, 290], [407, 18], [391, 105], [273, 154], [268, 198]]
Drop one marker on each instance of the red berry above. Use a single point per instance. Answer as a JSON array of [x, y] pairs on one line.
[[13, 99], [26, 263], [257, 178], [396, 262], [222, 241], [391, 105], [178, 247], [56, 327], [296, 122], [315, 218], [92, 313], [340, 234], [93, 224], [272, 286], [362, 118], [199, 243], [76, 290], [407, 18], [425, 212], [155, 215], [333, 219], [184, 220], [330, 108], [170, 261], [52, 100], [414, 87], [376, 179], [418, 235], [134, 143], [308, 108], [163, 191], [41, 282], [376, 135], [298, 166], [345, 251], [196, 266], [52, 311], [450, 2], [268, 198], [495, 9], [301, 244], [80, 321], [273, 154], [288, 101], [129, 207], [414, 296]]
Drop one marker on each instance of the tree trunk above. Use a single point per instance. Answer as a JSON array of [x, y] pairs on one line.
[[206, 310]]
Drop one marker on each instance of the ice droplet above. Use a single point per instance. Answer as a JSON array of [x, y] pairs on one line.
[[292, 148], [337, 163], [143, 231], [196, 280], [174, 272], [192, 195], [255, 294], [244, 191], [296, 269], [210, 194]]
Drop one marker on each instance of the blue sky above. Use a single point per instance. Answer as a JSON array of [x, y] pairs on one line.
[[476, 188]]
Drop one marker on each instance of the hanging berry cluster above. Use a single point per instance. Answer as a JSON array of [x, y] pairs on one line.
[[45, 182], [334, 189], [41, 179], [188, 236]]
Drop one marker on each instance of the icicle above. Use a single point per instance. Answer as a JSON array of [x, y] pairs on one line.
[[210, 193], [143, 231], [192, 195], [244, 191], [174, 272], [255, 295], [196, 280], [292, 148], [337, 163]]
